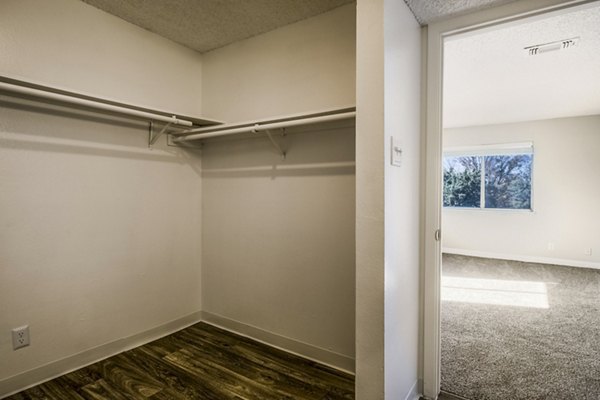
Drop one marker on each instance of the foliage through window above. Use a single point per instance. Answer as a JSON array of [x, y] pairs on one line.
[[491, 181]]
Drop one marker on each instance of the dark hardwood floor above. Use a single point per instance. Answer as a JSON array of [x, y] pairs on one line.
[[199, 362]]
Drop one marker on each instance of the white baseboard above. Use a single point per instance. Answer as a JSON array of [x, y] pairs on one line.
[[413, 393], [49, 371], [318, 354], [517, 257]]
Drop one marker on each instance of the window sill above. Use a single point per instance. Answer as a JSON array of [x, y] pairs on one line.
[[494, 210]]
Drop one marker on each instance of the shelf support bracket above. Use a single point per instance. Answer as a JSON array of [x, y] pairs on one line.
[[281, 152], [153, 137]]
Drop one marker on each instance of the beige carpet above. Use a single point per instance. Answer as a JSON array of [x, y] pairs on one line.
[[513, 330]]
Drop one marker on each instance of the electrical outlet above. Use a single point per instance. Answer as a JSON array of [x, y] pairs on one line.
[[551, 246], [587, 251], [20, 337]]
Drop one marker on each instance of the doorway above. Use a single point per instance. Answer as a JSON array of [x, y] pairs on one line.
[[502, 305]]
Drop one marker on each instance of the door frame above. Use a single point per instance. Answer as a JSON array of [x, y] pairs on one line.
[[436, 34]]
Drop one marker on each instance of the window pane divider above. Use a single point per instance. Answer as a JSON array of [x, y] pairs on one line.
[[482, 189]]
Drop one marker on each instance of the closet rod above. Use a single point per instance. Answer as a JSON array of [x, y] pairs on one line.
[[258, 127], [91, 104]]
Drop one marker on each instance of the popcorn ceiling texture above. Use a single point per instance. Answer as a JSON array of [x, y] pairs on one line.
[[489, 70], [427, 11], [210, 24]]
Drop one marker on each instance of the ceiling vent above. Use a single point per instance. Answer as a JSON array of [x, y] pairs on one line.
[[552, 46]]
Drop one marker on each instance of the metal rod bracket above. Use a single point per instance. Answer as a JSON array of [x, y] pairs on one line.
[[153, 137], [281, 152]]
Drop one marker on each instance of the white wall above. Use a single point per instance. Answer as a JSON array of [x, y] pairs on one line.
[[387, 214], [99, 236], [370, 194], [402, 200], [74, 46], [566, 191], [306, 66], [278, 235]]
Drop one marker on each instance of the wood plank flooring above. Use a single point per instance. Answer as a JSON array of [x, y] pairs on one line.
[[199, 362]]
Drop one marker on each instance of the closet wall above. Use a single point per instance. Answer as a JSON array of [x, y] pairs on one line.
[[99, 236], [278, 236], [306, 66], [101, 239], [74, 46]]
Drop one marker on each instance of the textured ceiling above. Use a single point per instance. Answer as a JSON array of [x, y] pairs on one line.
[[205, 25], [427, 11], [490, 79]]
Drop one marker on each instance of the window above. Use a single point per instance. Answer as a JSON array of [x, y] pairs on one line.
[[490, 177]]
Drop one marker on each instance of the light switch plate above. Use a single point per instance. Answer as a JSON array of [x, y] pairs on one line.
[[396, 152]]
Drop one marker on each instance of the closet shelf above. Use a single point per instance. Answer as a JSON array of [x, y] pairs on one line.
[[197, 127], [55, 95], [264, 125]]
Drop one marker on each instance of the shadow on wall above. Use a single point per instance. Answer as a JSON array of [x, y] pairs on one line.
[[31, 125], [313, 150]]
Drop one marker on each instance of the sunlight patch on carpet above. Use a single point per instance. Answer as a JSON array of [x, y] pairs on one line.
[[495, 292]]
